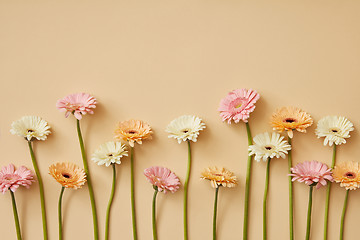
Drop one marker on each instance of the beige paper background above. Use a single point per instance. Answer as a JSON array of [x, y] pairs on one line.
[[156, 60]]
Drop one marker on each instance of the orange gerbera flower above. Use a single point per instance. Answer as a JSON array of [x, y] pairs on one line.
[[133, 131], [219, 177], [68, 175], [347, 174], [289, 119]]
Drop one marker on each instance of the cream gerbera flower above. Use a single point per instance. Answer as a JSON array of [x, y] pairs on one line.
[[68, 175], [133, 131], [185, 128], [335, 129], [108, 153], [30, 127], [266, 146], [347, 174], [219, 177], [289, 119]]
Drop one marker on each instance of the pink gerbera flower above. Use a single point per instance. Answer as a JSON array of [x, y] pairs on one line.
[[163, 179], [12, 179], [312, 172], [238, 104], [79, 104]]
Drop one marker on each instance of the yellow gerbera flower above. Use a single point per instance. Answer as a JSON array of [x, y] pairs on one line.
[[289, 119], [68, 175], [133, 131], [347, 174], [219, 177]]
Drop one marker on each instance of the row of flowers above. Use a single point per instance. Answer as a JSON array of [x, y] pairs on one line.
[[235, 107]]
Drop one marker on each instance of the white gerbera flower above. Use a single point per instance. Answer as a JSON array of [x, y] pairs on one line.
[[30, 127], [335, 129], [266, 146], [108, 153], [185, 128]]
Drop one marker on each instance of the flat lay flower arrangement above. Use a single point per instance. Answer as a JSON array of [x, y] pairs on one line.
[[234, 108]]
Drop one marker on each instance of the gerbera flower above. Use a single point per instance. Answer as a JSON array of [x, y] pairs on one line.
[[238, 104], [30, 127], [347, 174], [78, 104], [289, 119], [133, 131], [163, 179], [267, 146], [108, 153], [219, 177], [312, 172], [68, 175], [12, 179], [185, 128], [335, 129]]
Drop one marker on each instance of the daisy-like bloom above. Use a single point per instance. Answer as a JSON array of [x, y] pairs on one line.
[[185, 128], [12, 179], [30, 128], [238, 105], [108, 153], [79, 104], [347, 174], [311, 173], [219, 177], [163, 179], [68, 175], [266, 146], [133, 131], [289, 119], [335, 129]]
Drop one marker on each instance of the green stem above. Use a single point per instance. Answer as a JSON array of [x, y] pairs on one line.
[[91, 191], [247, 185], [186, 191], [343, 215], [265, 198], [215, 212], [291, 211], [60, 213], [110, 202], [308, 225], [133, 212], [41, 189], [327, 201], [154, 214], [16, 216]]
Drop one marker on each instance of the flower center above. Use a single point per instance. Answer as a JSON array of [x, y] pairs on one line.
[[268, 148], [73, 107], [132, 132], [8, 178], [185, 130], [350, 175], [65, 175], [110, 155], [30, 131], [334, 130], [289, 120]]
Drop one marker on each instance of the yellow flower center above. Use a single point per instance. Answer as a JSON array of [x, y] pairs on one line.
[[238, 106]]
